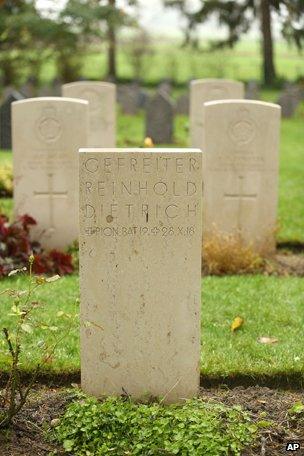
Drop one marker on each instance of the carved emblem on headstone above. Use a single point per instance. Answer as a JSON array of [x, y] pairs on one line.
[[216, 92], [243, 130], [49, 127]]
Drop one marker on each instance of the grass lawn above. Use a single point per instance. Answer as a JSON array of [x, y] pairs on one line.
[[270, 306], [169, 60]]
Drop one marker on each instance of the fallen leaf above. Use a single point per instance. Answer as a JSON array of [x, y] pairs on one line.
[[237, 323], [53, 279], [27, 328], [55, 422], [148, 142], [267, 340]]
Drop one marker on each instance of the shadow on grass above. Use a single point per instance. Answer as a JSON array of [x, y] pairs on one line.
[[292, 246], [293, 381], [288, 381]]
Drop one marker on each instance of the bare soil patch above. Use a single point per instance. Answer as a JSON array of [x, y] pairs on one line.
[[266, 404]]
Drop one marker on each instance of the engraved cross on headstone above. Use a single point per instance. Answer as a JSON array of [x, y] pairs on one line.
[[241, 195], [51, 194]]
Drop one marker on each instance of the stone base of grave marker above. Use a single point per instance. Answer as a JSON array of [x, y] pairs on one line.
[[140, 269]]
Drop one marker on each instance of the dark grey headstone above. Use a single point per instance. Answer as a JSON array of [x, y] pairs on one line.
[[127, 97], [29, 89], [131, 98], [252, 91], [45, 91], [159, 119], [6, 119], [289, 101], [182, 104], [165, 86], [56, 87]]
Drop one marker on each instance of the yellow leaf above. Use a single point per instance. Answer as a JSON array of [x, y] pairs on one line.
[[40, 280], [148, 142], [236, 324]]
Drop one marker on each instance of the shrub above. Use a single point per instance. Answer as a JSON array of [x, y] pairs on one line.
[[6, 181], [227, 254], [119, 426], [16, 247]]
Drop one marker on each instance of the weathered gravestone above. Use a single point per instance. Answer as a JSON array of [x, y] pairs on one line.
[[140, 260], [241, 171], [6, 119], [159, 119], [47, 133], [166, 87], [128, 98], [289, 101], [252, 90], [182, 104], [102, 107], [29, 88], [202, 91]]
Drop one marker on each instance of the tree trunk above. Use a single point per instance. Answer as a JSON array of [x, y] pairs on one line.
[[269, 72], [112, 46]]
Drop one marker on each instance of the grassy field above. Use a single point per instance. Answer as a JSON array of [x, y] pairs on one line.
[[270, 306], [165, 58]]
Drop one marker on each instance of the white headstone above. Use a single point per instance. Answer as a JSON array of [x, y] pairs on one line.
[[140, 268], [202, 91], [47, 133], [241, 171], [102, 106]]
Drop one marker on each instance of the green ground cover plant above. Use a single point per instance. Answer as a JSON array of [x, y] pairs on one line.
[[270, 306], [120, 426]]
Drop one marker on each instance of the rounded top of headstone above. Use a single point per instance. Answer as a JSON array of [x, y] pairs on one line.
[[243, 102], [53, 99], [139, 150], [101, 84], [215, 81]]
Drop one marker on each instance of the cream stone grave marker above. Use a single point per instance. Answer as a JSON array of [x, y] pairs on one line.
[[102, 107], [47, 133], [241, 171], [202, 91], [140, 269]]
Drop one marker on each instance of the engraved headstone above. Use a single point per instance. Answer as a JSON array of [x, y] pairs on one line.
[[102, 106], [241, 171], [252, 91], [202, 91], [6, 119], [159, 119], [182, 105], [140, 239], [47, 133]]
